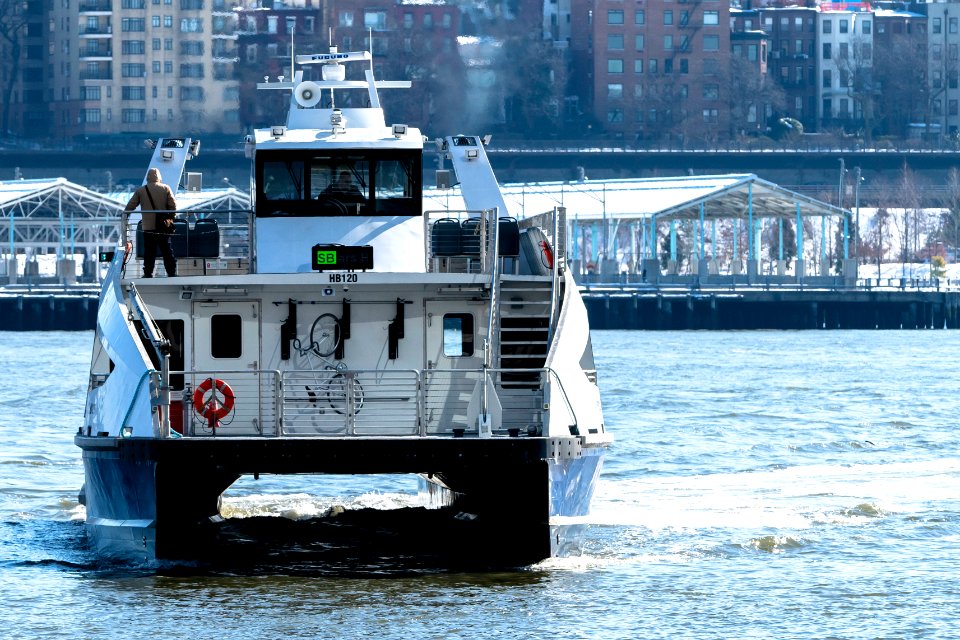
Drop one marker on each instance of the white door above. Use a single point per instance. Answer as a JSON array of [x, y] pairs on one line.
[[226, 346], [454, 345]]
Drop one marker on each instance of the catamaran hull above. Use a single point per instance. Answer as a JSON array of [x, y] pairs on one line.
[[147, 500]]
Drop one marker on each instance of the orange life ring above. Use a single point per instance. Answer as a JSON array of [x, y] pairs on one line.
[[211, 409]]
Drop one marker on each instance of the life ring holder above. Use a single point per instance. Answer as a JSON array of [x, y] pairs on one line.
[[212, 409]]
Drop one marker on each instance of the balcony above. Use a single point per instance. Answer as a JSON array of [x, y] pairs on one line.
[[95, 6], [99, 30], [96, 53]]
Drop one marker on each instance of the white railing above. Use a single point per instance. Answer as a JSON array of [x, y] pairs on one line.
[[396, 403]]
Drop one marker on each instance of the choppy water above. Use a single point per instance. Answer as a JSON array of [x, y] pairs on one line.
[[763, 485]]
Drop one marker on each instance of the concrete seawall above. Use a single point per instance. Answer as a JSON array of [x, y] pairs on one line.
[[744, 310], [48, 312], [625, 309]]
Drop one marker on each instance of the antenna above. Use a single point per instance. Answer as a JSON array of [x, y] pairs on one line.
[[293, 72], [370, 40]]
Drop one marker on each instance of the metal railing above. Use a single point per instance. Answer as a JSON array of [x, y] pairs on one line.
[[331, 403]]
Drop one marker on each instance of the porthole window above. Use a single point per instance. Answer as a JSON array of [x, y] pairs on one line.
[[457, 335], [226, 333]]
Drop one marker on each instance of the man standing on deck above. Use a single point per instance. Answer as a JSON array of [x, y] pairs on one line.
[[155, 200]]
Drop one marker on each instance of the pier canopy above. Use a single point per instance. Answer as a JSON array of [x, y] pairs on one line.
[[616, 224], [724, 196]]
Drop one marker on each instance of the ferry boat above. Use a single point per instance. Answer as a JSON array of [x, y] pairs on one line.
[[356, 333]]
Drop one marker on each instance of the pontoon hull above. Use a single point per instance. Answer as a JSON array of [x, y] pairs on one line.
[[147, 500]]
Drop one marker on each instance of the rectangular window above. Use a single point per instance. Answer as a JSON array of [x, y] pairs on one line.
[[156, 44], [133, 115], [640, 17], [131, 47], [652, 65], [191, 47], [638, 65], [376, 20], [132, 70], [133, 93], [407, 20], [168, 21], [711, 92], [615, 65], [226, 336], [865, 27], [614, 42], [615, 116], [711, 116], [937, 26], [90, 115], [191, 5], [828, 26], [668, 17], [168, 44], [346, 18], [827, 50], [638, 42], [711, 18], [155, 22], [191, 94], [844, 50], [614, 91], [168, 67], [844, 26], [457, 335], [711, 43], [89, 93], [131, 24], [668, 43], [615, 16], [191, 25], [827, 79], [684, 65]]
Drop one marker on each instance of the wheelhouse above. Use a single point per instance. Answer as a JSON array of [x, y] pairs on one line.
[[333, 182]]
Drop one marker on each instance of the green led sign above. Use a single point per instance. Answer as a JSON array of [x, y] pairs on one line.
[[339, 257]]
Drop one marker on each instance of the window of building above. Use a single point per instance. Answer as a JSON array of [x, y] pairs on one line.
[[191, 70], [156, 44], [652, 65], [614, 42], [684, 65], [155, 21], [90, 115], [428, 20], [827, 26], [89, 93], [952, 25], [711, 18], [614, 91], [638, 91], [614, 116], [937, 26], [711, 91], [131, 24], [844, 26], [156, 66], [191, 48], [684, 18], [711, 116], [191, 25], [133, 93], [446, 21], [308, 24], [615, 65], [615, 16], [272, 23], [639, 17], [291, 24], [866, 27], [346, 19], [133, 115], [191, 94], [827, 79], [376, 20], [638, 65], [827, 50], [952, 107], [408, 20], [668, 43], [638, 42], [133, 70], [668, 17], [784, 23], [168, 22], [668, 65], [844, 50], [131, 47], [711, 43]]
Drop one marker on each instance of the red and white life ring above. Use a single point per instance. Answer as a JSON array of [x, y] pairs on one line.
[[211, 408]]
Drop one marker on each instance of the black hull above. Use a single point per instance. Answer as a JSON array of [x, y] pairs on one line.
[[152, 500]]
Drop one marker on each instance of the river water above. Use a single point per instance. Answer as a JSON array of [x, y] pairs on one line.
[[762, 485]]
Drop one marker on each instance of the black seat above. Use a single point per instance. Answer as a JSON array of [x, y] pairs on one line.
[[205, 239], [445, 237], [509, 237], [470, 240]]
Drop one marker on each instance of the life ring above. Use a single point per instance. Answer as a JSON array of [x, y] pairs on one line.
[[211, 409]]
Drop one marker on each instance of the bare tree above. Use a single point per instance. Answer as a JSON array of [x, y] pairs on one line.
[[855, 64], [750, 96], [13, 29], [905, 96]]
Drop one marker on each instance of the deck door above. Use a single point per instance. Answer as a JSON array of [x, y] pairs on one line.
[[226, 346]]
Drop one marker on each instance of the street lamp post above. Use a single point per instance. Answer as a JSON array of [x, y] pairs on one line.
[[856, 203]]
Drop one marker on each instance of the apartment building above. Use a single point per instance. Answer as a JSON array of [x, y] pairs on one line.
[[658, 69], [902, 99], [23, 77], [129, 66], [943, 41], [792, 61]]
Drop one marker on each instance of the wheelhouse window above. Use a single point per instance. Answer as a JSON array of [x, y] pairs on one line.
[[384, 182]]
